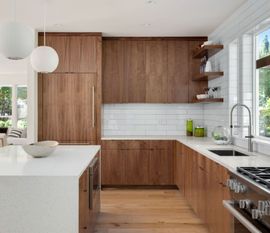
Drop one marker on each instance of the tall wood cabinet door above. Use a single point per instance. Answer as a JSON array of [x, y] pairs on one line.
[[61, 45], [136, 167], [112, 167], [161, 167], [194, 87], [156, 72], [68, 108], [178, 71], [84, 54], [114, 83], [135, 71], [82, 108]]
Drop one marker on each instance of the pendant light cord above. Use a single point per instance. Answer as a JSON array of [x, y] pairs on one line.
[[44, 21]]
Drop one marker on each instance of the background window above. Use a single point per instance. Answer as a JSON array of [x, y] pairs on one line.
[[22, 107], [263, 85], [5, 106], [13, 106], [262, 41]]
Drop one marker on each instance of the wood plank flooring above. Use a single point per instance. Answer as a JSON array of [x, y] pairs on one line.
[[146, 211]]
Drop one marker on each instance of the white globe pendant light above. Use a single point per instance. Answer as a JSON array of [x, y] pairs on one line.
[[44, 59], [16, 39]]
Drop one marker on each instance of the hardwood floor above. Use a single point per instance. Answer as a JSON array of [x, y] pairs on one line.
[[146, 211]]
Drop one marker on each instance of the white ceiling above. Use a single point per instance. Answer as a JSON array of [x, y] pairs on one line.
[[125, 17]]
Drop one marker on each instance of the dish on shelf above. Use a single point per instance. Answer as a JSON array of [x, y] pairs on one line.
[[209, 42], [40, 149], [202, 96]]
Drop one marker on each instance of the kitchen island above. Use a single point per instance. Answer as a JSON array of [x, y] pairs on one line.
[[48, 195]]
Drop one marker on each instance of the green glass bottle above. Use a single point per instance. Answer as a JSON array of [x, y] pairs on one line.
[[189, 127]]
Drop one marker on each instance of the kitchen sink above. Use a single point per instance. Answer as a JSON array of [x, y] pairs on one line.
[[228, 153]]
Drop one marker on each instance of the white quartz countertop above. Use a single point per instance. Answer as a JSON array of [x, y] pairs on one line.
[[69, 160], [203, 145], [140, 137]]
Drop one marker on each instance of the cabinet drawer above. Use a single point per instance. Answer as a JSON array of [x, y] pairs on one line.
[[134, 145], [160, 144], [110, 144]]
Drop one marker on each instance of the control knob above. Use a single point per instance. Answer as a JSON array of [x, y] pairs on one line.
[[256, 214], [264, 207], [245, 204]]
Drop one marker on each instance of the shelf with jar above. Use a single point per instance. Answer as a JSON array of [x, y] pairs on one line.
[[204, 52]]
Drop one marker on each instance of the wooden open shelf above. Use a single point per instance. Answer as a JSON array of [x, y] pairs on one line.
[[207, 50], [206, 76], [210, 100]]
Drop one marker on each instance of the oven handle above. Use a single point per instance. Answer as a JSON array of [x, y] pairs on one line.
[[229, 206]]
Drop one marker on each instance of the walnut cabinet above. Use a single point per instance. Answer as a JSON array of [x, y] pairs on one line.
[[150, 70], [137, 162], [203, 183], [69, 99]]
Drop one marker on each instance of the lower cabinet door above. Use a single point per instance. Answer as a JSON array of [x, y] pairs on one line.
[[137, 163], [112, 167], [84, 213], [136, 167], [161, 167], [201, 194]]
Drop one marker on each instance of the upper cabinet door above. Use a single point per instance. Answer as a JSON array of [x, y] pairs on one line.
[[83, 51], [156, 71], [178, 71], [135, 71], [77, 53], [114, 82], [61, 45]]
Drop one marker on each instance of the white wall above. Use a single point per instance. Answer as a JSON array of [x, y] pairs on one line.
[[149, 119], [241, 22]]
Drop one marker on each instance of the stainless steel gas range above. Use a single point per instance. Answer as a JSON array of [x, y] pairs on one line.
[[250, 204]]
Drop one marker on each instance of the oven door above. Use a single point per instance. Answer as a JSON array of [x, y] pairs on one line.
[[243, 222]]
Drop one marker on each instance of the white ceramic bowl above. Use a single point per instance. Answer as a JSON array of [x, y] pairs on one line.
[[40, 149], [202, 96], [209, 42]]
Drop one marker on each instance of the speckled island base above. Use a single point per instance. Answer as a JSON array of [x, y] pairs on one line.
[[42, 195]]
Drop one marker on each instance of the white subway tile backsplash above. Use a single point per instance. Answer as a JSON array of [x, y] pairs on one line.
[[149, 119]]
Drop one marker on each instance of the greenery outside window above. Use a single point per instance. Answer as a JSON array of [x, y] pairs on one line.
[[13, 106], [5, 106], [22, 107], [263, 84]]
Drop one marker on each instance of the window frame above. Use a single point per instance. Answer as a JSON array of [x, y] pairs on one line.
[[256, 114]]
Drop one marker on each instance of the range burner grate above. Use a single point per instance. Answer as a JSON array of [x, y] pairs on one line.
[[260, 175]]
